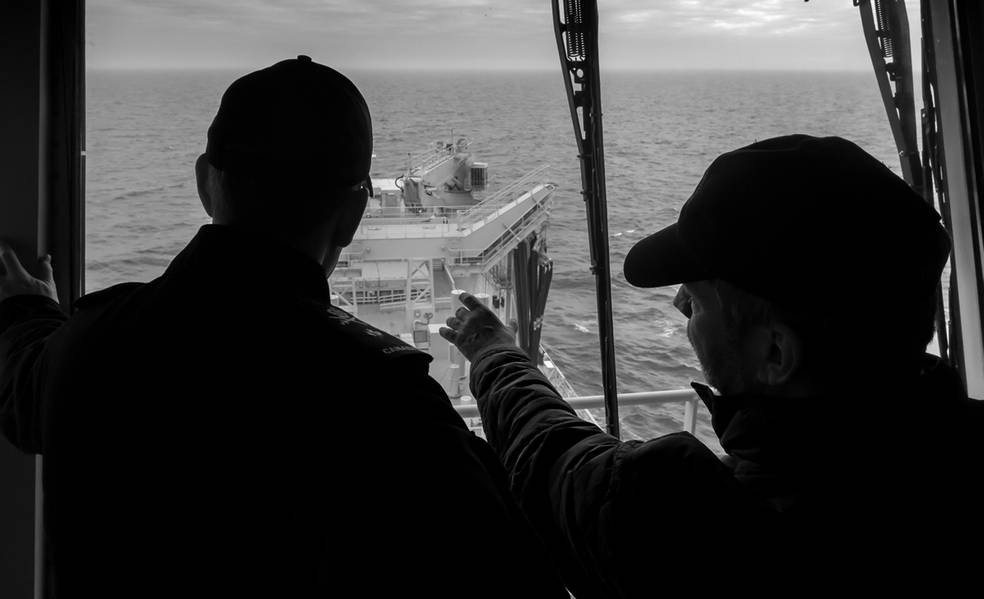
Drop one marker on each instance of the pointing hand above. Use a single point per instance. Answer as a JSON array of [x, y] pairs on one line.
[[474, 327]]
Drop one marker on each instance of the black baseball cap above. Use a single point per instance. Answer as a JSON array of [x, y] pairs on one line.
[[296, 113], [814, 224]]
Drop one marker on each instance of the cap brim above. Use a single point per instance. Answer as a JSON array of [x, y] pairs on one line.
[[663, 259]]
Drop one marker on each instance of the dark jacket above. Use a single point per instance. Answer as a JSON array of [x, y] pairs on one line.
[[223, 430], [814, 491]]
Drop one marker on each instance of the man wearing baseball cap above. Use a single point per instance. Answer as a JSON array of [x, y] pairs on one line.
[[225, 431], [808, 272]]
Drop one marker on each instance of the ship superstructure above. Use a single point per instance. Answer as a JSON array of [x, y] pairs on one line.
[[440, 228]]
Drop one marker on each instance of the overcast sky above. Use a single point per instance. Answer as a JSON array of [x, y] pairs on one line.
[[471, 34]]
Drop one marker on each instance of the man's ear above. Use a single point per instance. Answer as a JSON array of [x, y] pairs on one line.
[[202, 176], [780, 353], [348, 216]]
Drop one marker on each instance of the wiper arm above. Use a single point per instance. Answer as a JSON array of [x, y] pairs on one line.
[[577, 44]]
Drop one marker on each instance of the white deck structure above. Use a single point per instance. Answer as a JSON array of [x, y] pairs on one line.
[[413, 250]]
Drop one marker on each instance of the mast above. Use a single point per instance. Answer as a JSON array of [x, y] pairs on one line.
[[577, 45], [886, 32]]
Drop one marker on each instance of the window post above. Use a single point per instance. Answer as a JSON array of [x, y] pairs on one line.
[[41, 172]]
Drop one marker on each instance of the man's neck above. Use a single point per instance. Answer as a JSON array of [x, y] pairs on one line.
[[313, 246]]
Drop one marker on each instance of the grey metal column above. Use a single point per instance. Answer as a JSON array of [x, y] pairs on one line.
[[41, 180], [955, 119], [20, 177]]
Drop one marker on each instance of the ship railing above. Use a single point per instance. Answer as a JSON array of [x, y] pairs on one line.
[[463, 214], [501, 197], [399, 214], [432, 159], [418, 298], [347, 256], [378, 228], [688, 397], [406, 230], [515, 231], [481, 219], [371, 296], [460, 216]]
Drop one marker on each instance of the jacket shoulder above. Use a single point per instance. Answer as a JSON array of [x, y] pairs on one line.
[[106, 296], [362, 338], [678, 457], [679, 472]]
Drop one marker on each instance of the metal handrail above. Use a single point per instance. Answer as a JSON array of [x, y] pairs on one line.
[[646, 398], [514, 231], [461, 216], [431, 160], [502, 196], [414, 215], [380, 228], [410, 230]]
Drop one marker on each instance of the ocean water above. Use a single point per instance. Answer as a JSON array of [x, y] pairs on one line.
[[662, 129]]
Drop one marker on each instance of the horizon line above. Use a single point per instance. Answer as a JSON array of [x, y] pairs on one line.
[[473, 70]]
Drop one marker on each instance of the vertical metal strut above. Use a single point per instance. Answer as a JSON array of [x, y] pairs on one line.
[[886, 31], [576, 30]]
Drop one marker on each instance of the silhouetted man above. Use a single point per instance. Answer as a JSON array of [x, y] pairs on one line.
[[223, 430], [808, 275]]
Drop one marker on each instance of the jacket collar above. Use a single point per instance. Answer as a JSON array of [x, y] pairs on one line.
[[767, 430], [235, 258], [783, 432]]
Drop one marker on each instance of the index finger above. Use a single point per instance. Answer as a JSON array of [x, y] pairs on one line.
[[470, 301]]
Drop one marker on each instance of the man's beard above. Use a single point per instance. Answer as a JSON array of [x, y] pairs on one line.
[[722, 367]]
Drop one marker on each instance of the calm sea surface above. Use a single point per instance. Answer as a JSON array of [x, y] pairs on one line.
[[145, 130]]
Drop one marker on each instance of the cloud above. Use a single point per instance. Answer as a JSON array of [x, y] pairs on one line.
[[470, 33], [739, 17]]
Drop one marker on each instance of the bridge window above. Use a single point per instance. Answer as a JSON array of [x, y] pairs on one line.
[[439, 220]]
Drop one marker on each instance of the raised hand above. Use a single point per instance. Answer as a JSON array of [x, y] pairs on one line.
[[15, 280], [474, 327]]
